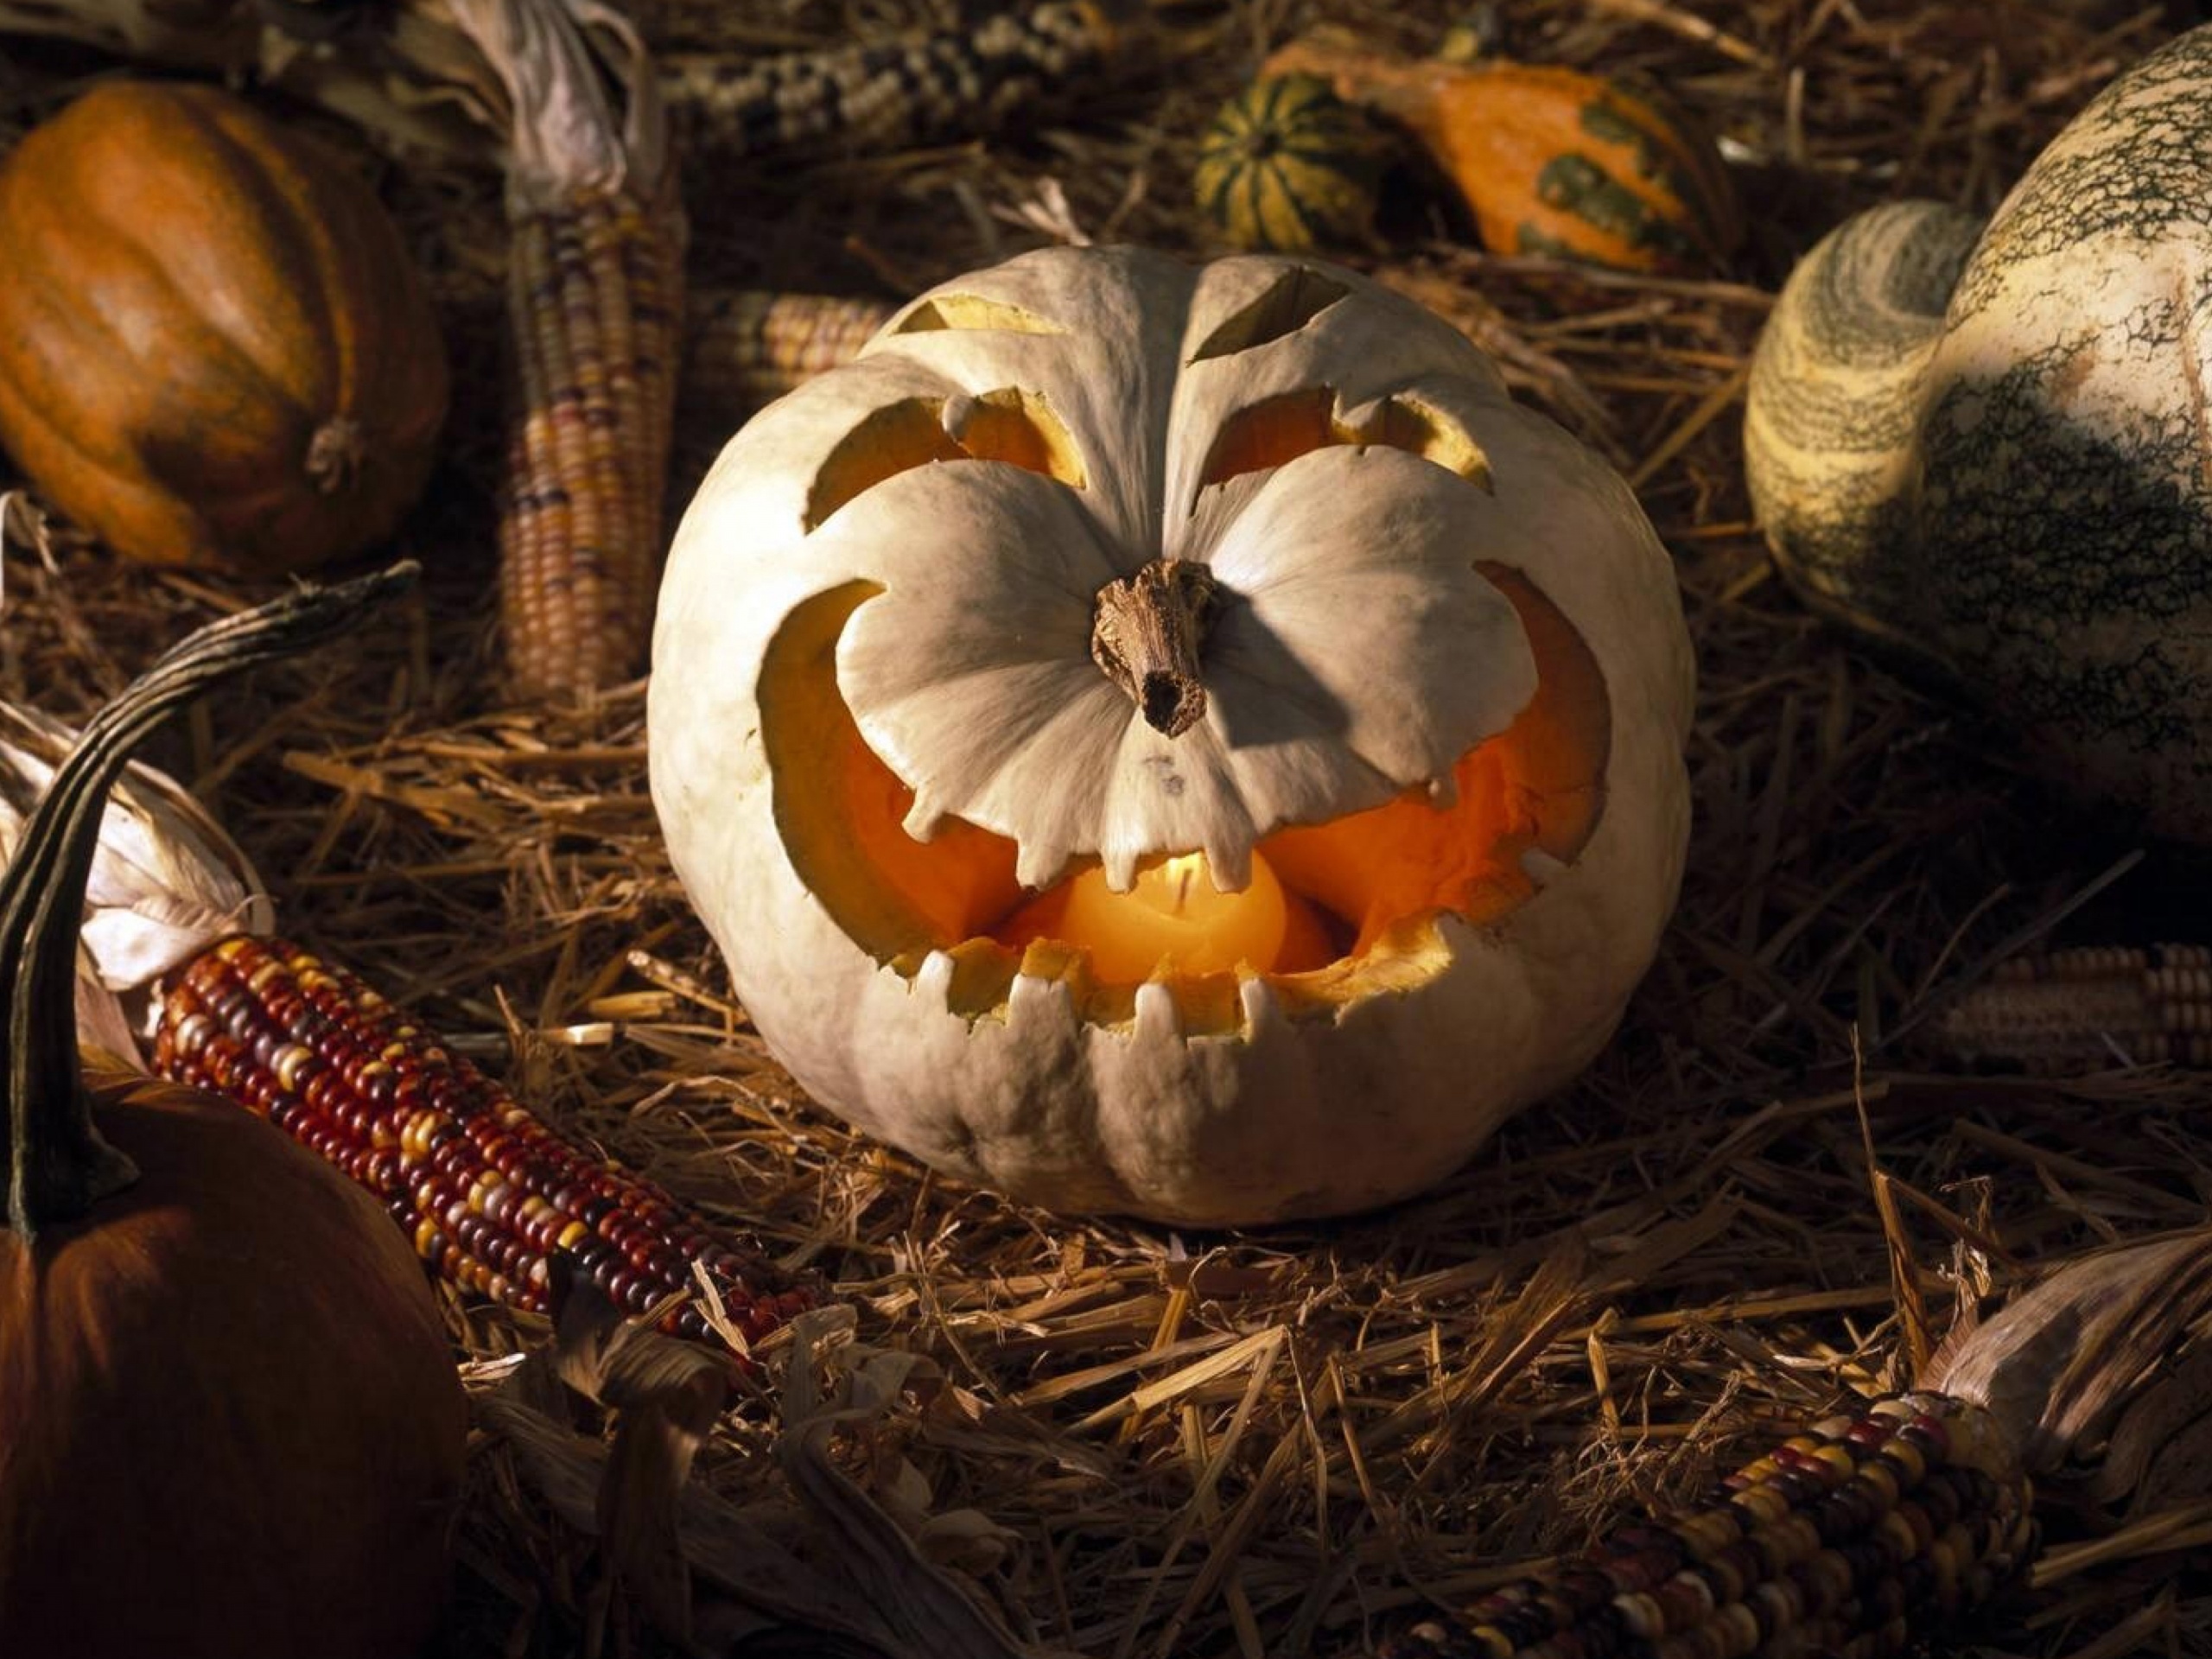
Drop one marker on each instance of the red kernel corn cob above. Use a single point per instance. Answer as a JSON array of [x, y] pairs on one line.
[[489, 1194], [749, 347], [1849, 1539]]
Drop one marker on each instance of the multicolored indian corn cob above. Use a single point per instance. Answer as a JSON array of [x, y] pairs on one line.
[[490, 1194], [1848, 1540], [858, 100], [2072, 1009], [749, 347], [595, 295], [595, 311]]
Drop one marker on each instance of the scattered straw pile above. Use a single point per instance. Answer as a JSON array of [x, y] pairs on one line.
[[1265, 1444]]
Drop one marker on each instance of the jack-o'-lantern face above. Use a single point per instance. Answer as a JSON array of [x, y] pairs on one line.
[[1201, 656]]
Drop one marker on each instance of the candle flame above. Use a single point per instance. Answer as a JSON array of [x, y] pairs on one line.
[[1178, 873]]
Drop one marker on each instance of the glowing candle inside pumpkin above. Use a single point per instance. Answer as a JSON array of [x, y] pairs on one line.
[[1173, 913]]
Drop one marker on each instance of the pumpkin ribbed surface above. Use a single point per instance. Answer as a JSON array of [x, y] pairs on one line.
[[213, 347], [1287, 164], [247, 1437]]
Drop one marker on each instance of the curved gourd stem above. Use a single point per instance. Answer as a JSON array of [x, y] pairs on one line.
[[1831, 423], [56, 1163]]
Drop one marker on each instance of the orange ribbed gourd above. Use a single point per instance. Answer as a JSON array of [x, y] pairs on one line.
[[214, 348]]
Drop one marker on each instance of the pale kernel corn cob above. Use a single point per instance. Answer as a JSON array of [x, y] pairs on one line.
[[595, 306], [488, 1193], [2102, 1003], [1851, 1540], [859, 100], [749, 347]]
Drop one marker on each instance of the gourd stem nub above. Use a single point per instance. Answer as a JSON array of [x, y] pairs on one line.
[[55, 1163], [1147, 632]]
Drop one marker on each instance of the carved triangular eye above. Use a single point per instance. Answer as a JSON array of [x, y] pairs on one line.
[[1009, 424], [1291, 302], [1283, 427]]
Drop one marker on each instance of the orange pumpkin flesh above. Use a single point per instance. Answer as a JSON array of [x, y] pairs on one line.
[[214, 349], [1363, 890], [232, 1425]]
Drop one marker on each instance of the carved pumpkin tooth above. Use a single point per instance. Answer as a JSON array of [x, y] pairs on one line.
[[933, 983], [1540, 867], [1047, 998], [1409, 682], [1158, 1014], [1263, 1008], [1228, 865]]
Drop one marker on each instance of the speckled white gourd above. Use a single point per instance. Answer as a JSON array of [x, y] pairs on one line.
[[1987, 447]]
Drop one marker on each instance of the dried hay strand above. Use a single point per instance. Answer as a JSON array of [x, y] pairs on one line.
[[1130, 1443]]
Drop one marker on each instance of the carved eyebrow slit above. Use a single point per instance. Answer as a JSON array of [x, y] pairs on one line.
[[1283, 427], [972, 311], [1010, 424]]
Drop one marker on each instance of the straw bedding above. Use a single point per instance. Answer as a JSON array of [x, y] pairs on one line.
[[1272, 1443]]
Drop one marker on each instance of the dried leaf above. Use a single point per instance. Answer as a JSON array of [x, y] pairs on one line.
[[928, 1611], [668, 1395], [706, 1572], [2161, 1448], [405, 74], [1904, 1271], [2058, 1362]]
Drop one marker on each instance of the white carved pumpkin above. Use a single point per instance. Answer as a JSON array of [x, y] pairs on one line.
[[1427, 723]]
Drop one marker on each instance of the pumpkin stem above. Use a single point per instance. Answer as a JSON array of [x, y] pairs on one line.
[[334, 455], [1146, 633], [55, 1163]]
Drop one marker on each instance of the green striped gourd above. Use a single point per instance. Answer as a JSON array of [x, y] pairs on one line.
[[1287, 164], [1986, 447]]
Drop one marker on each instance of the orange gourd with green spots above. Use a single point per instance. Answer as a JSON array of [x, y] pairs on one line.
[[1550, 160]]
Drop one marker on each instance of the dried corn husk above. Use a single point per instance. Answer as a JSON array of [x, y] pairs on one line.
[[731, 1577], [166, 882]]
